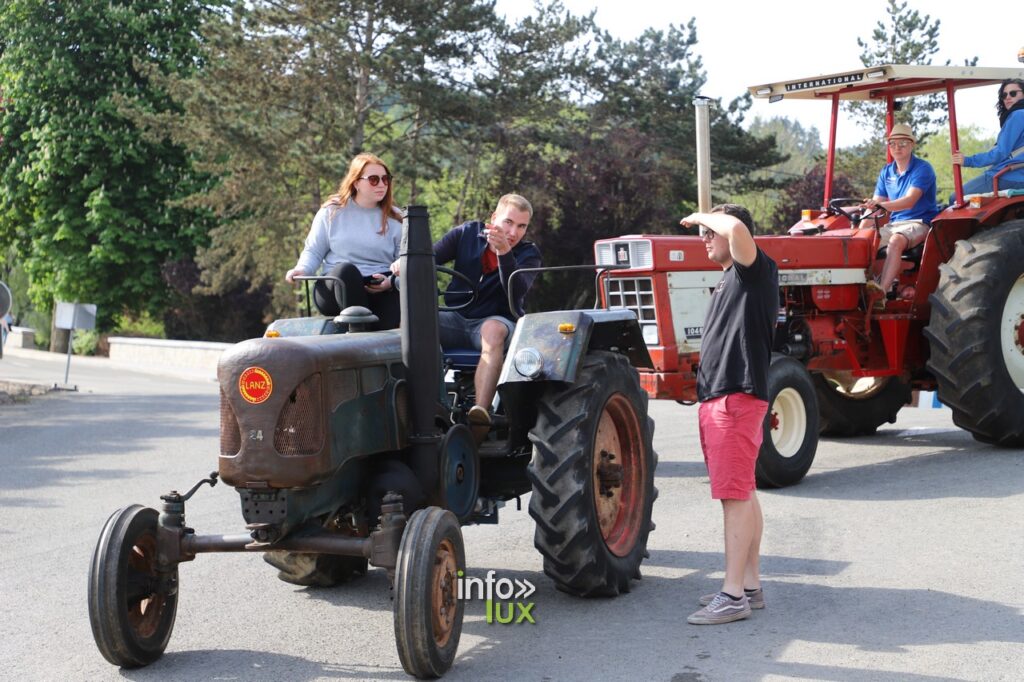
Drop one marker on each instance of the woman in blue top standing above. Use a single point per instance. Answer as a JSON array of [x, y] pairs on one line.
[[356, 235], [1009, 145]]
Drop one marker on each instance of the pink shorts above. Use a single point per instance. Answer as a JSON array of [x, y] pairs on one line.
[[730, 435]]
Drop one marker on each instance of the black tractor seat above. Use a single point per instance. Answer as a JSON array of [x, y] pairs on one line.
[[912, 255], [463, 359]]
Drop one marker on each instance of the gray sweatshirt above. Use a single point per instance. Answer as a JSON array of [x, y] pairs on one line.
[[350, 234]]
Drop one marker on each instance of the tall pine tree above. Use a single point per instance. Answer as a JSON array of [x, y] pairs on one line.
[[903, 37]]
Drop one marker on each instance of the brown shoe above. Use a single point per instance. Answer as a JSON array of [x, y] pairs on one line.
[[479, 422], [876, 294]]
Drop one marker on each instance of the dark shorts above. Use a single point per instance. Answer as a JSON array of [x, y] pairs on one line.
[[458, 332], [730, 435]]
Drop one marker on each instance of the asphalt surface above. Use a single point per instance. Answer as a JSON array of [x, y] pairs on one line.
[[898, 557]]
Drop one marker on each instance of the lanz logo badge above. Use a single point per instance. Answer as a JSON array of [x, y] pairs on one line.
[[255, 385]]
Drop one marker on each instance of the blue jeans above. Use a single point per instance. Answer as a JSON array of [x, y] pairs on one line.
[[983, 184]]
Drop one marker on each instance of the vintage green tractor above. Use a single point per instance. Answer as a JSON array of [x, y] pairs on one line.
[[349, 449]]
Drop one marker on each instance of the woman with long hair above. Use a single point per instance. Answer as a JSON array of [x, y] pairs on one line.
[[1009, 148], [356, 236]]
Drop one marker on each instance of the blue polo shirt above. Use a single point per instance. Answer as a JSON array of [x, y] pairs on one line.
[[919, 174]]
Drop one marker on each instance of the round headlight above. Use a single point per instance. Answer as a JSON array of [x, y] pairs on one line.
[[528, 362]]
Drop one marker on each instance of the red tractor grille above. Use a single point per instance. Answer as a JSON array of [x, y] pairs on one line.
[[633, 293], [230, 434], [300, 429]]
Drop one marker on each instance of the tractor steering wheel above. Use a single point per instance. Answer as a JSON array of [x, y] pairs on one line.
[[835, 208], [472, 292]]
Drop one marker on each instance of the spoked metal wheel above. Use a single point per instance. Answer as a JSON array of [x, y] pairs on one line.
[[428, 612], [132, 605]]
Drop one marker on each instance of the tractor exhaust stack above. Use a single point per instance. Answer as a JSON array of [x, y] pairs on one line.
[[702, 108], [420, 345]]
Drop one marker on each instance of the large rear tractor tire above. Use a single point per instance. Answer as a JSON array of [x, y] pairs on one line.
[[593, 478], [132, 605], [790, 426], [428, 611], [976, 334], [857, 407]]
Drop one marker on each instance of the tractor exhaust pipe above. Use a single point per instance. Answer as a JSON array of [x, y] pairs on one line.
[[702, 110], [421, 348]]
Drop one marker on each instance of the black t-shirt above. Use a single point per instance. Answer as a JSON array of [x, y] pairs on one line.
[[736, 347]]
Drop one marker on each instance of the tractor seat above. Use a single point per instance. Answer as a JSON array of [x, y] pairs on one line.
[[912, 255], [461, 358]]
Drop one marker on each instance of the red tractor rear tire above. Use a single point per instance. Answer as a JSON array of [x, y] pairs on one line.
[[976, 334]]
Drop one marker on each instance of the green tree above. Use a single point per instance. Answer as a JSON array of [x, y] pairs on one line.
[[936, 151], [903, 37], [802, 149], [87, 203], [648, 86], [290, 91], [622, 160], [801, 146], [807, 192], [861, 164]]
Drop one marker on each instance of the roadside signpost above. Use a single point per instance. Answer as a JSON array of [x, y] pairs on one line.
[[72, 316]]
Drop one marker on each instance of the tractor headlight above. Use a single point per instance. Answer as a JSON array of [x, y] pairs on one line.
[[650, 333], [528, 362]]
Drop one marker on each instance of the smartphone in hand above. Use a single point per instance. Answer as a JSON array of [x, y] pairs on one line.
[[373, 279]]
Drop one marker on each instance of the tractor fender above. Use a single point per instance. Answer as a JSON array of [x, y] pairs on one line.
[[562, 340]]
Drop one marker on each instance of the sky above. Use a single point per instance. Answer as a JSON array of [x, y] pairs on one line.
[[744, 42]]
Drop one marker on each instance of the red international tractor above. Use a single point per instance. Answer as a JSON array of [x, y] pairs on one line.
[[841, 368]]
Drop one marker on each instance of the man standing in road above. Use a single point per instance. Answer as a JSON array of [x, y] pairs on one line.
[[732, 386]]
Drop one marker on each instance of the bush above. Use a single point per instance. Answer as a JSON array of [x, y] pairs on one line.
[[143, 326], [84, 342]]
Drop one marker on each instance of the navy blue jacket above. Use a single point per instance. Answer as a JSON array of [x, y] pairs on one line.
[[465, 245]]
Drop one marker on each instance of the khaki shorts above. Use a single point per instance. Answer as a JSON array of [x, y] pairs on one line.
[[914, 230]]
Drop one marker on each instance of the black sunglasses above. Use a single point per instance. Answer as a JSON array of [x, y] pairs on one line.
[[375, 180], [1009, 93]]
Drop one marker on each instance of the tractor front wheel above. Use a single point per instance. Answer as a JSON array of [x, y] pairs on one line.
[[132, 605], [593, 478], [790, 427], [976, 334], [428, 611]]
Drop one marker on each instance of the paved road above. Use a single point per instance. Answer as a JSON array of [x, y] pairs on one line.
[[898, 557]]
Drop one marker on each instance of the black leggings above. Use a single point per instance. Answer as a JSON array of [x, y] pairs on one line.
[[328, 296]]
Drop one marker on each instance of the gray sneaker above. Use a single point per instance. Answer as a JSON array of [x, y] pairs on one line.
[[721, 609], [756, 598]]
